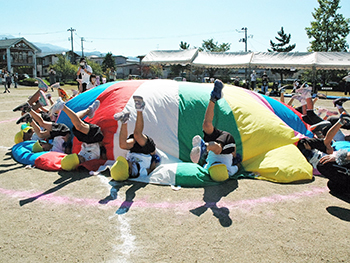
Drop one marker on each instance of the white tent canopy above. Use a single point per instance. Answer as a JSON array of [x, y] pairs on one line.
[[283, 60], [272, 60], [222, 60], [170, 57], [332, 60]]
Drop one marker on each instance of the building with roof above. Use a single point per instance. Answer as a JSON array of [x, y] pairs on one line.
[[18, 55], [124, 66], [47, 59]]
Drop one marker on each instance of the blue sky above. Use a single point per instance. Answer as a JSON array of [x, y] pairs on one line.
[[135, 27]]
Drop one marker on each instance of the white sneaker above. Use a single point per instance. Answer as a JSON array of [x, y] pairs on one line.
[[57, 107], [199, 149], [139, 103], [122, 116], [92, 108]]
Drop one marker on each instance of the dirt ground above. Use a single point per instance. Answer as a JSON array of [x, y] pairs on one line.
[[75, 217]]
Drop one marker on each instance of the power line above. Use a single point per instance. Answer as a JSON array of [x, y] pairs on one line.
[[163, 37], [46, 33]]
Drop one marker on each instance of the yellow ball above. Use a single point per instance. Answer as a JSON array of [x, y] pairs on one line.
[[218, 172], [37, 147], [120, 169], [70, 162], [19, 135]]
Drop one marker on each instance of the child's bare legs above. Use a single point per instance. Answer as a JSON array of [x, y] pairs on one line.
[[333, 131], [41, 134], [77, 122], [123, 137], [37, 117], [138, 135], [290, 102], [81, 114], [35, 97], [282, 97], [124, 142], [208, 128]]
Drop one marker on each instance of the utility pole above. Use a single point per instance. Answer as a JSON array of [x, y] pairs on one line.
[[82, 47], [72, 60], [245, 39]]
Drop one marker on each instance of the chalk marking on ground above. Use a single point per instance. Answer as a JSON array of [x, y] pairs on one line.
[[126, 241], [6, 121], [4, 147], [143, 203]]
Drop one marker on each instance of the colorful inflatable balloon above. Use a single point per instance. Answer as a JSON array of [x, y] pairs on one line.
[[265, 130]]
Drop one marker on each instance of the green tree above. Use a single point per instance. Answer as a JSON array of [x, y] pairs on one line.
[[96, 68], [64, 68], [283, 45], [330, 29], [184, 45], [178, 69], [156, 70], [211, 46], [108, 62]]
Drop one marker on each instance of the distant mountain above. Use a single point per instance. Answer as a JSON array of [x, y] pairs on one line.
[[6, 37], [45, 47], [49, 48]]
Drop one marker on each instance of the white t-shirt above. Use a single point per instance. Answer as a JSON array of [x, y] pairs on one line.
[[85, 78], [144, 160], [90, 151], [253, 77], [90, 86], [57, 144], [225, 159], [35, 137], [347, 78]]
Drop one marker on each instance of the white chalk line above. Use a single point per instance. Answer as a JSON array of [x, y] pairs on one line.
[[125, 242], [4, 148]]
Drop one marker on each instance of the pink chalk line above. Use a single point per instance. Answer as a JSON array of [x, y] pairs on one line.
[[5, 121], [186, 205]]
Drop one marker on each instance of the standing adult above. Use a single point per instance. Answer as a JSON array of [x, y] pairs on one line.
[[347, 84], [112, 74], [265, 83], [15, 80], [83, 74], [8, 81], [52, 77], [253, 80]]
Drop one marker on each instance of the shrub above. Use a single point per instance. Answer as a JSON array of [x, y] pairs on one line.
[[28, 82], [71, 82]]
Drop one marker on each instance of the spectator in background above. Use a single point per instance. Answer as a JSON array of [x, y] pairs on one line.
[[52, 77], [236, 81], [83, 75], [253, 80], [265, 83], [8, 81], [15, 79], [347, 84], [92, 84], [112, 74]]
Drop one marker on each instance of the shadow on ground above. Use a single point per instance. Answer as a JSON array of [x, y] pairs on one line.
[[66, 178], [129, 194], [211, 196], [340, 212]]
